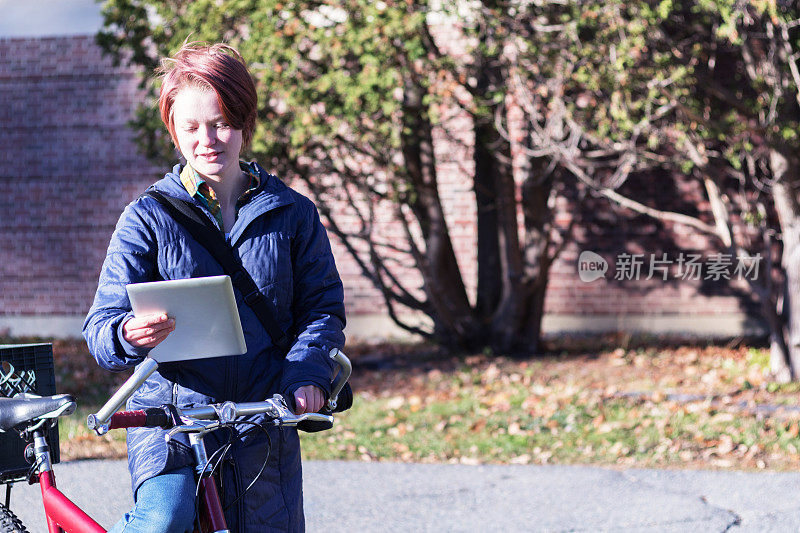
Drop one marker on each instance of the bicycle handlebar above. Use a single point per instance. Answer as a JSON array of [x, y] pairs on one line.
[[209, 417], [106, 419]]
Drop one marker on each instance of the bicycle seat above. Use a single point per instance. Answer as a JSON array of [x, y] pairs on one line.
[[26, 407]]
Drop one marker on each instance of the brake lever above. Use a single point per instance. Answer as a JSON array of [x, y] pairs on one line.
[[345, 369]]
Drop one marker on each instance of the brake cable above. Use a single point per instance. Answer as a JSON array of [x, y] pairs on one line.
[[224, 449], [263, 465]]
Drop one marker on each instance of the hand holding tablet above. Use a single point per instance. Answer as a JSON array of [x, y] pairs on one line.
[[149, 330], [202, 319]]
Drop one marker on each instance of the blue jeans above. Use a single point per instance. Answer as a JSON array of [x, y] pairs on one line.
[[164, 503]]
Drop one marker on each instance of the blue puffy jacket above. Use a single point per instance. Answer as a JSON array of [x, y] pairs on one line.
[[282, 244]]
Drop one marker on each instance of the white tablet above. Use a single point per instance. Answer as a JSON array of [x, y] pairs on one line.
[[206, 318]]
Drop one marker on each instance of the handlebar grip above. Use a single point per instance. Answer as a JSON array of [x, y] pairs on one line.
[[148, 418], [127, 419], [343, 402], [313, 426], [309, 426]]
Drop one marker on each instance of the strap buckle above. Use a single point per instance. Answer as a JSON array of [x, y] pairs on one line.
[[253, 297], [242, 281]]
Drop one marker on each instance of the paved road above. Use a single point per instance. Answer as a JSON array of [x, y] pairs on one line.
[[412, 497]]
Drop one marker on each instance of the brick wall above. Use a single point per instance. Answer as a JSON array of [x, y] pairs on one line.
[[70, 166]]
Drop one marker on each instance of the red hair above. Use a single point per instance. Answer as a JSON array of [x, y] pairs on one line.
[[218, 67]]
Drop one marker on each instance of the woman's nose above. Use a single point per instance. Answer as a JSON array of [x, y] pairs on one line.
[[207, 136]]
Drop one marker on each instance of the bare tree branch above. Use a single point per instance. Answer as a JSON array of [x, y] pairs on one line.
[[633, 205]]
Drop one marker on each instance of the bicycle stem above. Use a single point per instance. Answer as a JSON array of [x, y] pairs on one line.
[[99, 420]]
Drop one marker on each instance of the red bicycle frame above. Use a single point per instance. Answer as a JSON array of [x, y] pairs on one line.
[[60, 510], [64, 516]]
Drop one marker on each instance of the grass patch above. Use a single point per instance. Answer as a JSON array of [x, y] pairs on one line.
[[572, 410]]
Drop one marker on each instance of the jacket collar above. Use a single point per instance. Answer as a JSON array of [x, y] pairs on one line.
[[272, 193]]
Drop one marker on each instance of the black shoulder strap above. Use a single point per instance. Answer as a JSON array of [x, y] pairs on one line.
[[193, 220]]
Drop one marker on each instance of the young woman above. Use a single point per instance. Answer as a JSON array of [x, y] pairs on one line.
[[208, 103]]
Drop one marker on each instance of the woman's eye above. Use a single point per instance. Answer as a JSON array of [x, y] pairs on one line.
[[190, 129], [223, 125]]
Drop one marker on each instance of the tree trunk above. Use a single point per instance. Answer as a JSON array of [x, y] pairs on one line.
[[784, 170], [490, 283], [538, 218], [516, 272], [454, 322], [510, 315], [512, 273], [503, 296], [792, 303]]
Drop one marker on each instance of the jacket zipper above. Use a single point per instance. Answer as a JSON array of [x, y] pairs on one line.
[[279, 462], [237, 480]]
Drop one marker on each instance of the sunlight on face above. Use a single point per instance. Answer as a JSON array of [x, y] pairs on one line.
[[209, 144]]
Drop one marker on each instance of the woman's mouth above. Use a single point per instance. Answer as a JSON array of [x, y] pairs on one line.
[[211, 156]]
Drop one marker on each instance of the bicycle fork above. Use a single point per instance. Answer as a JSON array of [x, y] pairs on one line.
[[210, 515], [59, 509]]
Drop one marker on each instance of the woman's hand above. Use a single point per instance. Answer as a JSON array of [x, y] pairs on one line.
[[308, 399], [147, 331]]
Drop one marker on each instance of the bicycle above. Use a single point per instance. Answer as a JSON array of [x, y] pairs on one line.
[[31, 415]]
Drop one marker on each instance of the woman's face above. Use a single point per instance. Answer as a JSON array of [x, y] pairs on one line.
[[204, 138]]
